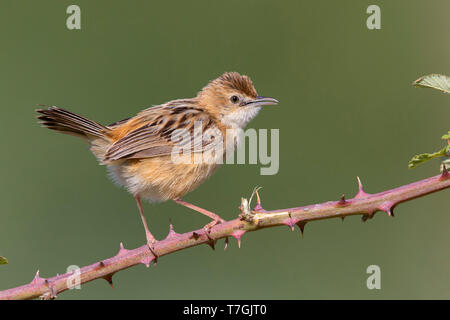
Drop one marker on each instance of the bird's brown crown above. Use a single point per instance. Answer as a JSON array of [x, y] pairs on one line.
[[233, 81]]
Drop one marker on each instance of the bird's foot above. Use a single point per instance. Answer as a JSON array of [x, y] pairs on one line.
[[151, 241], [216, 218], [207, 228]]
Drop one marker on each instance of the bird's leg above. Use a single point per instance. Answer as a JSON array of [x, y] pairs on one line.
[[151, 240], [216, 218]]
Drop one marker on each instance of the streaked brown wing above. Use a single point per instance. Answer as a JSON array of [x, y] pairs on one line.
[[159, 134], [118, 123]]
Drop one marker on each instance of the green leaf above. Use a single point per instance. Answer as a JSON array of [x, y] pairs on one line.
[[434, 81], [421, 158], [3, 260], [442, 83]]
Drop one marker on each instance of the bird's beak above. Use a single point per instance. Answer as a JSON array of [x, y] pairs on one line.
[[262, 101]]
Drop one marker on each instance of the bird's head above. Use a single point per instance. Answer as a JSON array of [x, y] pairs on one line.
[[232, 99]]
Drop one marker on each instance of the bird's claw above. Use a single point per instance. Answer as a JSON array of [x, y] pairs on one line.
[[151, 247], [213, 223]]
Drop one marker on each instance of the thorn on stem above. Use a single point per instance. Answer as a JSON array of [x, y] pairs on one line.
[[361, 193], [390, 212], [147, 260], [238, 235], [195, 235], [108, 278], [301, 226], [290, 222], [367, 216], [171, 230], [444, 171], [37, 278], [258, 206], [387, 207], [360, 187], [226, 243], [342, 200], [212, 244], [122, 250]]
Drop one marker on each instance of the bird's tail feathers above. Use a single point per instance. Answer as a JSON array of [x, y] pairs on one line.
[[68, 122]]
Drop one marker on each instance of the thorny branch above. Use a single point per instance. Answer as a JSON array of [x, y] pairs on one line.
[[249, 220]]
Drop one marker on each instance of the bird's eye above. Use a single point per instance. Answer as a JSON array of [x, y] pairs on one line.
[[234, 99]]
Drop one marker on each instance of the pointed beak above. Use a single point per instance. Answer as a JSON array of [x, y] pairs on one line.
[[262, 101]]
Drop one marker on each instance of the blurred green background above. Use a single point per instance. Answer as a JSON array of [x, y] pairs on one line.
[[347, 108]]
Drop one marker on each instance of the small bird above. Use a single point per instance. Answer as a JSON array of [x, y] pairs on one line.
[[138, 150]]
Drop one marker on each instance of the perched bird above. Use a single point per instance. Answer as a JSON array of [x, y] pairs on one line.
[[139, 151]]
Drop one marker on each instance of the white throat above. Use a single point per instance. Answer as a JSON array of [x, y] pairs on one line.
[[241, 117]]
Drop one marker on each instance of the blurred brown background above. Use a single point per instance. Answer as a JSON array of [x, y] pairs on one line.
[[347, 108]]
